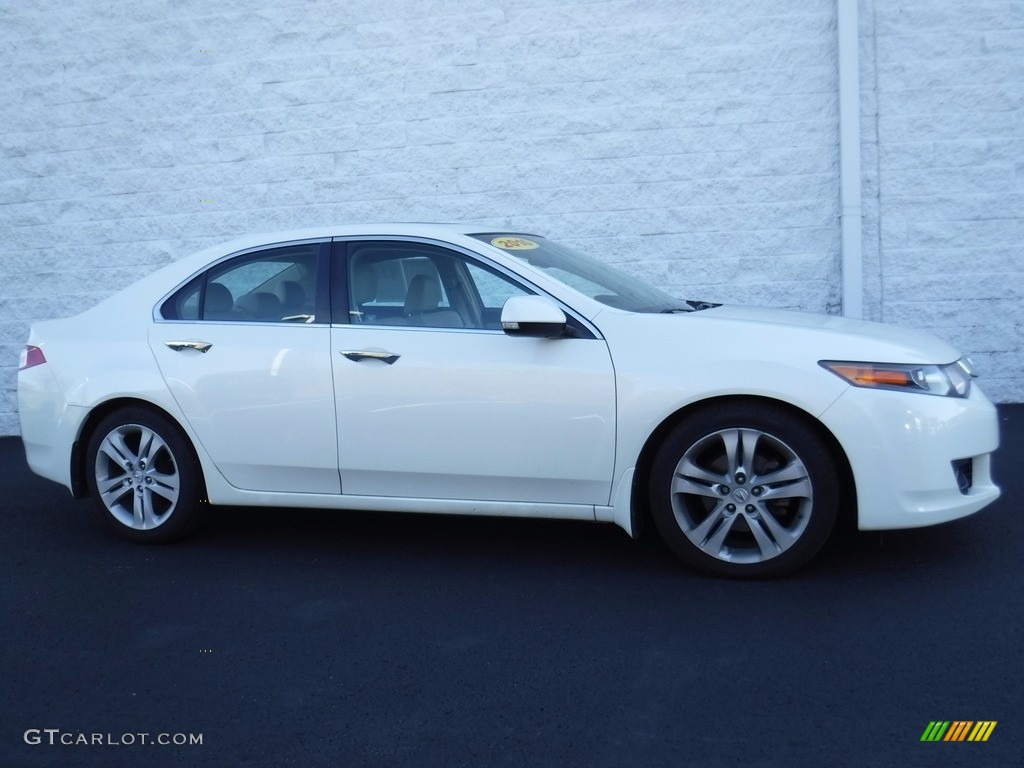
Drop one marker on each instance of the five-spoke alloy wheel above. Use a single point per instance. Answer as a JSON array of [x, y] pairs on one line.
[[144, 475], [744, 490]]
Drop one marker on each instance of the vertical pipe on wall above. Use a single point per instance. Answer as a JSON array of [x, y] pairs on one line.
[[849, 160]]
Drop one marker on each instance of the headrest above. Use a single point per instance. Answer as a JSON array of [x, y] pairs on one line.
[[218, 299], [424, 295]]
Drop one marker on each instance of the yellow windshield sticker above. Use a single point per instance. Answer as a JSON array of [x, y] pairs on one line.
[[514, 243]]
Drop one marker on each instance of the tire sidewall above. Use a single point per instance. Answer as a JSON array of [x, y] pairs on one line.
[[778, 422]]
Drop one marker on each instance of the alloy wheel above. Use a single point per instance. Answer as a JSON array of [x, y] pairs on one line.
[[137, 476], [741, 495]]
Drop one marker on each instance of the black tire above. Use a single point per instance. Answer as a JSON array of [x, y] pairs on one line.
[[150, 473], [757, 497]]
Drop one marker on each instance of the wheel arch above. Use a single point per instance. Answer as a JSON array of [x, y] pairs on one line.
[[639, 507], [79, 486]]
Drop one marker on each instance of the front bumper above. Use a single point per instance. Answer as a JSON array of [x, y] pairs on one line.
[[908, 453]]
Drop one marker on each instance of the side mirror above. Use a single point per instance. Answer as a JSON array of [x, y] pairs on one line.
[[532, 316]]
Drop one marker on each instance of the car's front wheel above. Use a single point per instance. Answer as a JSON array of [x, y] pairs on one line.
[[744, 490], [143, 475]]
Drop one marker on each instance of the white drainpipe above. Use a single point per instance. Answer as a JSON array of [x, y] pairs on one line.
[[849, 160]]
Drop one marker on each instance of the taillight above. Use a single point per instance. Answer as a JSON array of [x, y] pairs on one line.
[[31, 357]]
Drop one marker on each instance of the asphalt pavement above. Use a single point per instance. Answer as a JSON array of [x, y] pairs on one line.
[[313, 638]]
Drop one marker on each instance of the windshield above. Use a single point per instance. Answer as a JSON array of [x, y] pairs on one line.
[[586, 275]]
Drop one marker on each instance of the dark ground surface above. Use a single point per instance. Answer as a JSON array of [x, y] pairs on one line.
[[298, 638]]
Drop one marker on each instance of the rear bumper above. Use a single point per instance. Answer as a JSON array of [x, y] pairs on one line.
[[49, 426], [905, 451]]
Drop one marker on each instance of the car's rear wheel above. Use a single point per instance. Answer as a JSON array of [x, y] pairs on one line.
[[744, 490], [143, 475]]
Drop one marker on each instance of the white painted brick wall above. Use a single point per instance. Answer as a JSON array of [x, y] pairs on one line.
[[692, 143], [947, 83]]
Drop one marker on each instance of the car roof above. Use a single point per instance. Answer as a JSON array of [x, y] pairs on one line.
[[410, 229]]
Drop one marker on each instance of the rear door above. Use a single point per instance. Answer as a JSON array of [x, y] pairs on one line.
[[246, 352]]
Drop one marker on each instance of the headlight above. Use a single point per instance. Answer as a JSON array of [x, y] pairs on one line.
[[952, 380]]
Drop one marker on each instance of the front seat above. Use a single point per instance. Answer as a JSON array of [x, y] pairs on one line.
[[364, 290], [421, 302]]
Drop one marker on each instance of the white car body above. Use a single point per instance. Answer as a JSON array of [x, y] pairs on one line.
[[478, 422]]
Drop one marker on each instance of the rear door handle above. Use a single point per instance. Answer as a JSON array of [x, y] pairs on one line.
[[199, 346], [356, 355]]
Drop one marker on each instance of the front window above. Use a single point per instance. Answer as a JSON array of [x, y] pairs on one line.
[[417, 284], [586, 275]]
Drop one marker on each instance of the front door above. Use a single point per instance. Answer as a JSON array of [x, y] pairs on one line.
[[435, 401]]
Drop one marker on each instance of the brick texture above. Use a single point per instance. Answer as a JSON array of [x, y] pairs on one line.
[[944, 110], [692, 143]]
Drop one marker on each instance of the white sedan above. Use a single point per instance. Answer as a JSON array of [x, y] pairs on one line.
[[434, 368]]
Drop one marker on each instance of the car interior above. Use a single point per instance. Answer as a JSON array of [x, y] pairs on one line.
[[420, 286]]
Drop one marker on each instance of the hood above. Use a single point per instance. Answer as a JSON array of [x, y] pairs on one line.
[[826, 337]]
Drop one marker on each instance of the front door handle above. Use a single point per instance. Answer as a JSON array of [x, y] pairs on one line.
[[199, 346], [357, 355]]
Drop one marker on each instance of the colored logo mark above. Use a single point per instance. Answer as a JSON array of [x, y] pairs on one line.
[[959, 730]]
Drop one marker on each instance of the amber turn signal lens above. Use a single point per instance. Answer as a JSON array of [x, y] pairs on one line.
[[868, 377]]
